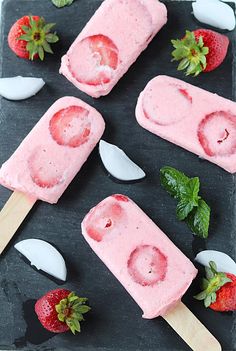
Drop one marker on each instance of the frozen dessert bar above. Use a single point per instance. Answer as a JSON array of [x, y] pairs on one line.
[[111, 42], [195, 119], [150, 267], [54, 151]]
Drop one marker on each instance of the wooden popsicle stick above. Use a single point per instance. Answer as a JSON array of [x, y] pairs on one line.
[[12, 215], [191, 330]]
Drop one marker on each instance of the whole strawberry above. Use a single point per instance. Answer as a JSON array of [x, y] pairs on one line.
[[61, 310], [202, 50], [219, 290], [30, 37]]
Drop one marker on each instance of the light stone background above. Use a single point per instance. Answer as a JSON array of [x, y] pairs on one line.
[[180, 0]]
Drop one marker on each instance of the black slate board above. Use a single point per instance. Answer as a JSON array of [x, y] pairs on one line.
[[115, 323]]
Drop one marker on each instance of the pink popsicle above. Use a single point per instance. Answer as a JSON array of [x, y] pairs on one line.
[[195, 119], [150, 267], [54, 151], [111, 42]]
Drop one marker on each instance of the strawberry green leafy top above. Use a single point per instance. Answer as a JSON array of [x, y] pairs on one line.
[[191, 53], [70, 311], [38, 37], [211, 284]]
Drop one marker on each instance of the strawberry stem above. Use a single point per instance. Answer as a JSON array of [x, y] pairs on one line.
[[38, 37], [211, 284], [70, 311], [191, 54]]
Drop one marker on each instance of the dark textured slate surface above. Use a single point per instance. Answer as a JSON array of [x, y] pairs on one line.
[[115, 323]]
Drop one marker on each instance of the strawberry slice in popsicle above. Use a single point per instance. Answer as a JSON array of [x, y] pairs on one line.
[[195, 119], [48, 159], [149, 266], [111, 42]]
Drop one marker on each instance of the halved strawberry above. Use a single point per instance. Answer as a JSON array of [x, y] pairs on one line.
[[147, 265], [94, 59], [70, 126], [104, 222], [202, 50], [217, 134], [44, 171]]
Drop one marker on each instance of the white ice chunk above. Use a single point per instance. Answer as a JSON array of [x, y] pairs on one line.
[[20, 88], [224, 262], [215, 13], [43, 256], [118, 164]]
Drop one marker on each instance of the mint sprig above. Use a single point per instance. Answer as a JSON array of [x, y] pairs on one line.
[[191, 207], [62, 3]]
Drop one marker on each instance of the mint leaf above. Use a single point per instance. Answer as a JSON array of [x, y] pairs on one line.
[[183, 209], [62, 3], [173, 181], [198, 220], [191, 190], [189, 198]]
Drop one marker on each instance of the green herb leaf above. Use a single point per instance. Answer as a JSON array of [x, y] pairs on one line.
[[183, 209], [189, 198], [62, 3], [198, 220], [173, 181]]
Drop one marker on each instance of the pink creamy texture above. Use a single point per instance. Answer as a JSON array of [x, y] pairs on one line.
[[111, 42], [54, 151], [195, 119], [150, 267]]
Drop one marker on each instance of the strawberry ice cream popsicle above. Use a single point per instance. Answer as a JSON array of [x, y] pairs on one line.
[[145, 261], [111, 42], [50, 156], [195, 119], [148, 262]]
